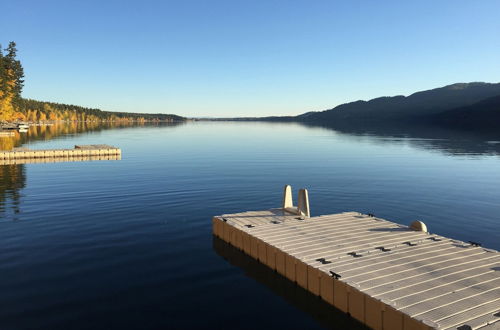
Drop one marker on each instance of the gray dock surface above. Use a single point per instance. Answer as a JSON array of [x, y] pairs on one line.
[[385, 275]]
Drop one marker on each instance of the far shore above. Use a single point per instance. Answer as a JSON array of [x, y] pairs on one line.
[[52, 122]]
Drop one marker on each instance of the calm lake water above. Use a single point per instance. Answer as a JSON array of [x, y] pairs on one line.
[[127, 244]]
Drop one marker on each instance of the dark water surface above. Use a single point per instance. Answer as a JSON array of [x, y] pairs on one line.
[[127, 244]]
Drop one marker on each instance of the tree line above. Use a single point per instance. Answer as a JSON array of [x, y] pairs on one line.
[[13, 107]]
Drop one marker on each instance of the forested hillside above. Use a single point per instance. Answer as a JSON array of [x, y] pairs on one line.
[[411, 108], [474, 107], [33, 110], [15, 108], [484, 116]]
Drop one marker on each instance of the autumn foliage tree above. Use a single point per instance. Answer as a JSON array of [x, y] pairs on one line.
[[11, 82]]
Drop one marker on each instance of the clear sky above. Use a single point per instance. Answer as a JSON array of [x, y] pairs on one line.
[[247, 58]]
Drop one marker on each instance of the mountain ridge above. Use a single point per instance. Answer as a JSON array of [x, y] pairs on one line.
[[416, 104], [422, 110]]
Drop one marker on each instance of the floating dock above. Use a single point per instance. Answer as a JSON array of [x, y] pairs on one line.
[[19, 161], [385, 275], [25, 155], [14, 126]]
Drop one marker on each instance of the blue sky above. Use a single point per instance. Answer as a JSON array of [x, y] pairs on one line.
[[247, 58]]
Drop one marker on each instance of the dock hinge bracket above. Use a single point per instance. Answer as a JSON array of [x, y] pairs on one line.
[[335, 275]]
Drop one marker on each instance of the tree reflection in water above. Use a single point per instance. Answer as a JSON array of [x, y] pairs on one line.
[[12, 180]]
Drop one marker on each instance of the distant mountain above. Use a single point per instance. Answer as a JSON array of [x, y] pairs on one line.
[[480, 116], [464, 106], [406, 109]]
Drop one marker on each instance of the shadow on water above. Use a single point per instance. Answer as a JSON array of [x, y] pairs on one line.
[[298, 297], [447, 141]]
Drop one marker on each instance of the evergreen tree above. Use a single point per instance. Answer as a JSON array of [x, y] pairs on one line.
[[2, 74], [6, 88], [17, 70]]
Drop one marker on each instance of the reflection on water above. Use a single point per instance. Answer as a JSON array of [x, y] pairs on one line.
[[324, 313], [13, 179], [14, 139], [136, 234], [446, 141], [449, 142], [435, 139], [13, 172]]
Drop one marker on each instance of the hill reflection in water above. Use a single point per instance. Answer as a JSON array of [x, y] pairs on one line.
[[449, 142]]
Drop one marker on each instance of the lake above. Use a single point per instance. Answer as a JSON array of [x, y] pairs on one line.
[[128, 244]]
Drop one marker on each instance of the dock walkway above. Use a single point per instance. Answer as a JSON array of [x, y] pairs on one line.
[[386, 275]]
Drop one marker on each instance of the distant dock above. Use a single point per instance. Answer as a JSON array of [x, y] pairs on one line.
[[79, 153], [14, 126], [387, 276], [7, 133]]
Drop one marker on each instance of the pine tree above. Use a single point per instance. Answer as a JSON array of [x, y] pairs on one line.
[[17, 70], [6, 88], [11, 83], [2, 74]]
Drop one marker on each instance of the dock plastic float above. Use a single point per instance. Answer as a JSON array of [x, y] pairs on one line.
[[19, 161], [386, 275], [80, 152]]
